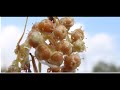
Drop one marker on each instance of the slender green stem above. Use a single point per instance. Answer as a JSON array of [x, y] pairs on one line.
[[39, 66]]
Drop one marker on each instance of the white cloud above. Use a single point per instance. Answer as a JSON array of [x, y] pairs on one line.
[[0, 47], [0, 59], [101, 47], [8, 38]]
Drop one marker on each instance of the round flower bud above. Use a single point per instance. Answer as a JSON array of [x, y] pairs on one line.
[[46, 26], [78, 46], [65, 47], [60, 32], [56, 58], [34, 38], [35, 26], [77, 34], [67, 22], [42, 52], [72, 62]]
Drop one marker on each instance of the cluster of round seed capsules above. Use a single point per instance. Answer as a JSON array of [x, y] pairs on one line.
[[56, 45]]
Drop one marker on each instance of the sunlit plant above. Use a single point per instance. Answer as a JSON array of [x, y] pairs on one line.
[[55, 46]]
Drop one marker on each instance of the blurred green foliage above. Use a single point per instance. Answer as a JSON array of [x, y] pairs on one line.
[[105, 67]]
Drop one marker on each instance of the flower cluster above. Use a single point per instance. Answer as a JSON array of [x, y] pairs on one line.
[[55, 44]]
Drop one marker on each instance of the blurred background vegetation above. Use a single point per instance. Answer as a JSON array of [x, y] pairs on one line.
[[105, 67], [3, 69]]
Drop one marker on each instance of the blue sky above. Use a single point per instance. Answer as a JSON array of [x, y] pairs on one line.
[[105, 30], [93, 25]]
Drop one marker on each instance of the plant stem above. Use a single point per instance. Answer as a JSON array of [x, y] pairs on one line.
[[39, 66], [34, 64], [18, 44]]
